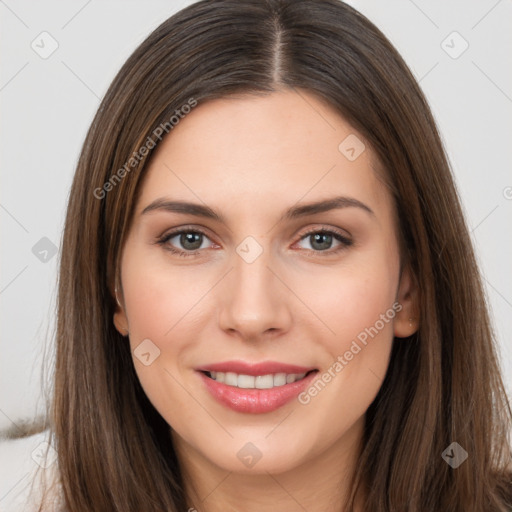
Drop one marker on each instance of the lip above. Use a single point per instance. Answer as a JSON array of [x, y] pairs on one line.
[[255, 401], [255, 369]]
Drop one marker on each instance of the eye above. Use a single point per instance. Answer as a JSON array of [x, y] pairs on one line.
[[191, 241], [321, 240], [188, 242]]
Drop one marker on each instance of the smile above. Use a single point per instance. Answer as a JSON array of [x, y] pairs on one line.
[[255, 382], [255, 388]]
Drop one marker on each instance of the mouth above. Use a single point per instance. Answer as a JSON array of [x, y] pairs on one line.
[[255, 389], [268, 381]]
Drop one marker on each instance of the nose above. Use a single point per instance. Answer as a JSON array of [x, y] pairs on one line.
[[254, 299]]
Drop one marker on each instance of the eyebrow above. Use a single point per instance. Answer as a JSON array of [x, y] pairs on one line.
[[294, 212]]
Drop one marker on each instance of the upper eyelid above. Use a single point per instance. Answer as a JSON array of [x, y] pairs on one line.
[[204, 230], [178, 231]]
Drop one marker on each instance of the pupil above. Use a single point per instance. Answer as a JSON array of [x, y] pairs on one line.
[[191, 238], [322, 237]]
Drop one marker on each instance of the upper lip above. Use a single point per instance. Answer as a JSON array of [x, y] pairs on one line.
[[255, 369]]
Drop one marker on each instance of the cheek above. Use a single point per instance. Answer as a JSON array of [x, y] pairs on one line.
[[162, 306], [165, 304], [350, 303], [359, 306], [160, 300]]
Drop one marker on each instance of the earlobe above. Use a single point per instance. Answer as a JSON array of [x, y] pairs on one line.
[[120, 324], [406, 321], [120, 319]]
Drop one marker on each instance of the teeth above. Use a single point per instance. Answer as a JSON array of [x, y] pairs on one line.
[[264, 381], [246, 381], [259, 382], [231, 379]]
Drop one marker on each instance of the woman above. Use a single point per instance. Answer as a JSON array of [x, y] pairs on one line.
[[323, 343]]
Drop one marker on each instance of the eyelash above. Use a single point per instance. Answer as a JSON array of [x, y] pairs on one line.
[[344, 241]]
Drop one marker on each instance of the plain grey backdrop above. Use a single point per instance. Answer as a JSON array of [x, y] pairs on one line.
[[57, 60]]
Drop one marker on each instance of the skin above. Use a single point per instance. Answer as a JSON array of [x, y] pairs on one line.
[[250, 158]]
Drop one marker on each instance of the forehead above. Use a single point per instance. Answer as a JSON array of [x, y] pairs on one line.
[[252, 151]]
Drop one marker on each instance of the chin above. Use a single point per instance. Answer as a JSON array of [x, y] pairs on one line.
[[257, 456]]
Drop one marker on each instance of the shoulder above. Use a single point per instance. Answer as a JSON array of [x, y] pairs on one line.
[[26, 466]]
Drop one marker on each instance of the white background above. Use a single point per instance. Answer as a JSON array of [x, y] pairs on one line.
[[48, 104]]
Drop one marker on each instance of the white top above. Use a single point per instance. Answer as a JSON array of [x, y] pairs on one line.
[[24, 463]]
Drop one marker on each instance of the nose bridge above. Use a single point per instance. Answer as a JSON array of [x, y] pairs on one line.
[[253, 302], [252, 279], [251, 273]]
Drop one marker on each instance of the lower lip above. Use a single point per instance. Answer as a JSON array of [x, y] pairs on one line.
[[255, 401]]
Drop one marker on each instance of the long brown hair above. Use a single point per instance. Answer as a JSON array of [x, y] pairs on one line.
[[443, 384]]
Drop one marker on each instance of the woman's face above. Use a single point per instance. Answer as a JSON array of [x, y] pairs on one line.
[[288, 259]]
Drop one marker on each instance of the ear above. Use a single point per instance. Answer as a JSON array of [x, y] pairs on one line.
[[120, 318], [407, 320]]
